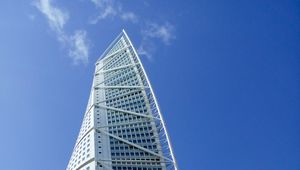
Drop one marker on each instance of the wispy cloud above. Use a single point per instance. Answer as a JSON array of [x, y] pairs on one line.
[[129, 16], [56, 17], [111, 9], [146, 49], [164, 32], [101, 3], [106, 9], [151, 31], [79, 50], [77, 44]]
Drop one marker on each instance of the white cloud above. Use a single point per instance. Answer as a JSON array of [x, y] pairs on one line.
[[101, 3], [56, 17], [107, 8], [111, 9], [151, 31], [147, 50], [129, 16], [79, 50], [77, 44], [106, 12], [163, 32]]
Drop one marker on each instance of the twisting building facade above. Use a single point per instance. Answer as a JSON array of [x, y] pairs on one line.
[[122, 128]]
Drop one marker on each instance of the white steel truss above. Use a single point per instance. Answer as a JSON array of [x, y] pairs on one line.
[[116, 84], [133, 144], [121, 87], [126, 111], [113, 69]]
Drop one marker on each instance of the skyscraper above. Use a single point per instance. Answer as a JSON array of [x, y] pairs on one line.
[[122, 128]]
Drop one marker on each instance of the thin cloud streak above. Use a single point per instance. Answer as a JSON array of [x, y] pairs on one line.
[[146, 50], [79, 50], [56, 17], [129, 16], [106, 8], [164, 33], [111, 9], [77, 44]]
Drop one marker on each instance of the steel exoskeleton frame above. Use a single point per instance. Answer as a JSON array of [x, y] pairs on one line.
[[154, 105], [164, 151]]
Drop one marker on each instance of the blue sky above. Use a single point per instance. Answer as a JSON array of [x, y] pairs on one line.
[[226, 75]]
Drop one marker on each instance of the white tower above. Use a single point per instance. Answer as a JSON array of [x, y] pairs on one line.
[[122, 128]]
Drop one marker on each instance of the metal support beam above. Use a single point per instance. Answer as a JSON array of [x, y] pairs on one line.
[[120, 87], [124, 94], [110, 55], [126, 111], [126, 123], [154, 98], [113, 69], [116, 52], [134, 145], [131, 160]]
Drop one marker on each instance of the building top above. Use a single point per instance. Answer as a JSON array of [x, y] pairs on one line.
[[111, 45]]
